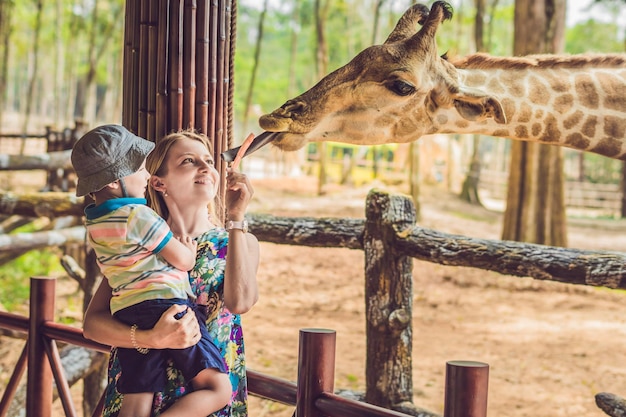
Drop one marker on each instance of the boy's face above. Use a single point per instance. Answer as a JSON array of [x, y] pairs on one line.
[[136, 183]]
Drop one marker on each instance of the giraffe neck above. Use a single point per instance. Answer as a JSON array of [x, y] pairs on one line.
[[579, 104]]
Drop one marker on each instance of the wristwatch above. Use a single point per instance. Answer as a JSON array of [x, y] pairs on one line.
[[242, 225]]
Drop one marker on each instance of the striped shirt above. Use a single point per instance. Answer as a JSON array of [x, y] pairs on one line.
[[127, 236]]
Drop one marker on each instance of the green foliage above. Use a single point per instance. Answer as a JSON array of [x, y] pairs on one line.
[[593, 36], [15, 276]]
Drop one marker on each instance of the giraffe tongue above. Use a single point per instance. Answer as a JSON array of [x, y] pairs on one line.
[[258, 142]]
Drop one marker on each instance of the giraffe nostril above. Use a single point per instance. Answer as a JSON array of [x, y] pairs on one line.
[[294, 108]]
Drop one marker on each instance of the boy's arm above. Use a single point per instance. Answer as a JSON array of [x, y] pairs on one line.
[[181, 253]]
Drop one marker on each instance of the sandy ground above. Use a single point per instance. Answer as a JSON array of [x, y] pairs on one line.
[[550, 347]]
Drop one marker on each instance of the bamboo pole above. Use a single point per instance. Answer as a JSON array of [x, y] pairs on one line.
[[231, 43], [126, 81], [220, 104], [144, 57], [212, 75], [218, 132], [151, 92], [179, 68], [202, 67], [161, 116], [189, 63], [175, 70]]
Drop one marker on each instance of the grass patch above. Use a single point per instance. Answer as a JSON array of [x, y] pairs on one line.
[[15, 276]]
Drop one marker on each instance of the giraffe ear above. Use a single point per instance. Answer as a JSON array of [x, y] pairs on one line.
[[479, 108]]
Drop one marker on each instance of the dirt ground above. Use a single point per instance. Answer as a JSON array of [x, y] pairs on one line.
[[550, 347]]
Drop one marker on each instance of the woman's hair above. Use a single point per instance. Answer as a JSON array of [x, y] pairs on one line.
[[155, 164]]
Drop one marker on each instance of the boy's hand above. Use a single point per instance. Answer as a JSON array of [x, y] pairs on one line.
[[189, 242]]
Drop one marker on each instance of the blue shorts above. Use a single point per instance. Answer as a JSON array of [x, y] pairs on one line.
[[146, 373]]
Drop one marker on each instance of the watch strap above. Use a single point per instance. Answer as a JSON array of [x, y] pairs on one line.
[[241, 225]]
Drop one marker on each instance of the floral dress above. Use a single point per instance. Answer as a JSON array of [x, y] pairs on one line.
[[207, 282]]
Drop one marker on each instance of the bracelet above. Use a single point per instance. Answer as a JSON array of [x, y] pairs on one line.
[[133, 329]]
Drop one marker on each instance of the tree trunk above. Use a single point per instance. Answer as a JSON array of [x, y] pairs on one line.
[[6, 7], [321, 55], [33, 78], [58, 63], [293, 47], [86, 107], [379, 4], [469, 192], [414, 177], [535, 210], [623, 187], [85, 84]]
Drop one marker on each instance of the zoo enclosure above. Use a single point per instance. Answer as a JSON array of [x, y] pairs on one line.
[[390, 239]]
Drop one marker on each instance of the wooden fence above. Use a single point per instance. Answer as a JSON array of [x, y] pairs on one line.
[[48, 151], [602, 199], [390, 238], [312, 395]]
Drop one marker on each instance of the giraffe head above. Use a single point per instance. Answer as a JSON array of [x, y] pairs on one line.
[[388, 93]]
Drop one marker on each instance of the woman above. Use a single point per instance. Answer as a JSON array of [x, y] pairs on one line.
[[184, 191]]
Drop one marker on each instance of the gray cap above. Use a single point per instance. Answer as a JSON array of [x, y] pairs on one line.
[[105, 154]]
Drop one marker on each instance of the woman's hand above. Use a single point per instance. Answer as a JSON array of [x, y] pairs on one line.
[[168, 332], [172, 333], [239, 191]]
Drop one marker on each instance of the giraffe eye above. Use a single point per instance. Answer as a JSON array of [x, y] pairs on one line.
[[401, 88]]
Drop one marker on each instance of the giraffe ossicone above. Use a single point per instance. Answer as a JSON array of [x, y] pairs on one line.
[[402, 90]]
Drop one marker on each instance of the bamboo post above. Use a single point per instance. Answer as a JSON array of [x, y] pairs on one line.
[[388, 302], [176, 66], [153, 54], [316, 369], [144, 63], [202, 67], [161, 116], [179, 68], [189, 62], [39, 391], [466, 389]]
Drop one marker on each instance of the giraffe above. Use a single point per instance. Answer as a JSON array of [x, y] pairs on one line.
[[401, 90]]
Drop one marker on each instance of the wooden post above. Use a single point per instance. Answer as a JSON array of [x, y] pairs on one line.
[[39, 391], [466, 389], [388, 302], [316, 369]]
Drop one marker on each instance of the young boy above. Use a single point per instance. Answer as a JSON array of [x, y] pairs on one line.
[[145, 265]]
